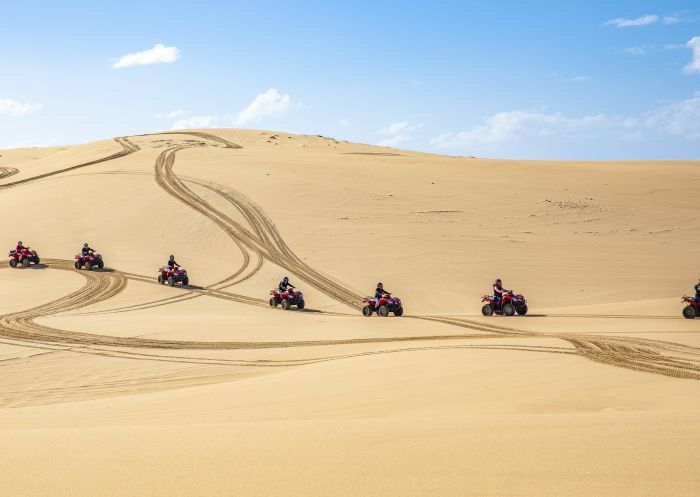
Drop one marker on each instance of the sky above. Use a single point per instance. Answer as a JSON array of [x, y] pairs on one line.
[[566, 80]]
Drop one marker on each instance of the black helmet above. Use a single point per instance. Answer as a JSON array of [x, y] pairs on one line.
[[380, 285], [85, 244], [172, 257], [285, 279]]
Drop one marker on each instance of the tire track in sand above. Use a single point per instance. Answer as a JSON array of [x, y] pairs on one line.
[[101, 285], [6, 172], [665, 358], [638, 354], [657, 357], [128, 147], [266, 239]]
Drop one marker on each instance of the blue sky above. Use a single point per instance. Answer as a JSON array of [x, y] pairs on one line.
[[530, 80]]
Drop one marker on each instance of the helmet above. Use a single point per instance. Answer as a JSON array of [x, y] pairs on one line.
[[285, 279], [85, 244], [380, 285], [172, 257], [498, 281]]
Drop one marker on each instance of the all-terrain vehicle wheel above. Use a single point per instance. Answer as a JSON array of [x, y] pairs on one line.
[[285, 304], [77, 265], [88, 265], [383, 311], [37, 260], [25, 262], [522, 310], [13, 263], [301, 304], [487, 310], [367, 311], [186, 280], [171, 281], [689, 312], [509, 310], [160, 279], [273, 302], [101, 264], [399, 311]]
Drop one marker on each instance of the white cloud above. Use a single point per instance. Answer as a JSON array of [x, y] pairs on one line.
[[265, 104], [671, 20], [633, 51], [157, 55], [397, 133], [14, 108], [169, 115], [678, 118], [513, 125], [30, 144], [197, 122], [639, 21], [397, 128], [675, 46], [694, 65]]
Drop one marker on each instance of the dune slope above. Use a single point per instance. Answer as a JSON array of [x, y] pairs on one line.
[[206, 390]]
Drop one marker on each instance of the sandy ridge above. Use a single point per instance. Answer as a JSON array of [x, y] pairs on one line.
[[658, 357]]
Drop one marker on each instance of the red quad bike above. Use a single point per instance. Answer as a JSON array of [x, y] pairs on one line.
[[90, 261], [692, 310], [385, 305], [23, 258], [509, 305], [173, 276], [286, 299]]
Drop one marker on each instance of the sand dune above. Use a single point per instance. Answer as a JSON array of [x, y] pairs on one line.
[[205, 390]]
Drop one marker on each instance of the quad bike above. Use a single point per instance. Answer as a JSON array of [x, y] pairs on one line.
[[692, 310], [510, 304], [90, 261], [23, 258], [286, 299], [385, 305], [173, 276]]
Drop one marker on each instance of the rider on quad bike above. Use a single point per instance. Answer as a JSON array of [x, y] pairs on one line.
[[23, 255], [692, 310], [286, 296], [382, 303], [503, 301], [89, 258]]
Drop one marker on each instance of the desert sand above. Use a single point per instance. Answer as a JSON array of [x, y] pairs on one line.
[[113, 385]]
